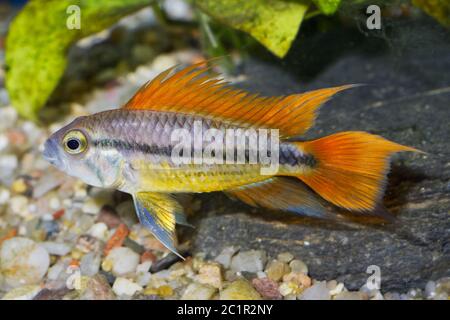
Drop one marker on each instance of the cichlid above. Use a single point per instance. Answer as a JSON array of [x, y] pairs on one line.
[[132, 149]]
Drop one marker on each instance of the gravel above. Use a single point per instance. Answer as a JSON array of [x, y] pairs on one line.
[[56, 233]]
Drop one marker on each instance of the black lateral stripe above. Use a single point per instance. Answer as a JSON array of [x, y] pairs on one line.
[[288, 156], [122, 145]]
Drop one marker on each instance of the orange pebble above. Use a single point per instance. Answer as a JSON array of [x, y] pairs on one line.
[[117, 238], [148, 256], [58, 214], [10, 234]]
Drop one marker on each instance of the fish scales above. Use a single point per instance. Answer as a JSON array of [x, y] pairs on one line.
[[144, 140]]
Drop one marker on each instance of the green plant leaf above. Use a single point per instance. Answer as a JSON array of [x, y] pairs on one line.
[[38, 40], [327, 7], [438, 9], [274, 23]]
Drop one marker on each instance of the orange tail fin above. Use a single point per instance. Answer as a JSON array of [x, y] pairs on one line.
[[351, 168]]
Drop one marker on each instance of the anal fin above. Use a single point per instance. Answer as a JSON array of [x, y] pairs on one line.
[[281, 193], [159, 213]]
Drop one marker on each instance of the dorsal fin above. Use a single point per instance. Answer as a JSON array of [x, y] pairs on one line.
[[192, 91]]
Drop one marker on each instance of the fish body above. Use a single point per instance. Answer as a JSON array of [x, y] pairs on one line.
[[187, 132], [135, 148]]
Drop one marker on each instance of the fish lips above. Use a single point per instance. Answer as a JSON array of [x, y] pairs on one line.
[[52, 154]]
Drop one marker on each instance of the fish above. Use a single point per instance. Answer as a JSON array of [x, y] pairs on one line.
[[133, 149]]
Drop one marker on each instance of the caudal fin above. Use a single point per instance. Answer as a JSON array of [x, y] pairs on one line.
[[351, 168]]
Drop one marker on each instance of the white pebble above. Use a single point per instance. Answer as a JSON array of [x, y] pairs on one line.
[[337, 289], [90, 264], [91, 207], [197, 291], [144, 266], [224, 258], [99, 231], [4, 196], [318, 291], [143, 278], [125, 287], [19, 205], [56, 248], [4, 142], [22, 293], [8, 116], [54, 203], [9, 162], [250, 261], [23, 262], [123, 261]]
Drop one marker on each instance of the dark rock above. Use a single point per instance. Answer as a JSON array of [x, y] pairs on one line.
[[108, 215], [166, 262], [407, 101]]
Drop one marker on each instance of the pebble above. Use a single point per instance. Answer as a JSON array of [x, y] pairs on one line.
[[56, 248], [90, 264], [22, 293], [125, 287], [4, 143], [108, 215], [351, 295], [163, 291], [19, 186], [121, 261], [300, 279], [249, 261], [99, 231], [198, 291], [144, 266], [91, 206], [23, 262], [8, 166], [19, 205], [276, 269], [318, 291], [210, 273], [289, 288], [338, 288], [267, 288], [240, 290], [97, 288], [430, 289], [392, 296], [285, 257], [224, 258], [443, 289], [9, 118], [4, 196], [298, 266]]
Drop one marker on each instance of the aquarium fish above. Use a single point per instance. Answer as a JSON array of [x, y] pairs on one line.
[[132, 149]]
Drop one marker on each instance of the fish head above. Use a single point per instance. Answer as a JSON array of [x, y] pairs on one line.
[[72, 150]]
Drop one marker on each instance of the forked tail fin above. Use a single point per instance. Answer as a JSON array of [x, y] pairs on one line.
[[351, 168]]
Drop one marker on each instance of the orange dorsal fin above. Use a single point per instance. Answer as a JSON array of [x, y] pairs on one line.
[[192, 91]]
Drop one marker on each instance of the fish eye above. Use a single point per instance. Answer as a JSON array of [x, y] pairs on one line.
[[74, 142]]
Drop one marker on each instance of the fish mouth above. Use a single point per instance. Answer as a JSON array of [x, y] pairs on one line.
[[51, 153]]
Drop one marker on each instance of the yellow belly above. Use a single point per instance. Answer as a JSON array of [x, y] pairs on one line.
[[198, 178]]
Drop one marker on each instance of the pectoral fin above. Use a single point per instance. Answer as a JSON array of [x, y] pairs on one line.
[[158, 212]]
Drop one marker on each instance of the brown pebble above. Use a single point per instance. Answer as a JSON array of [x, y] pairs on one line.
[[108, 215], [49, 294], [148, 256]]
